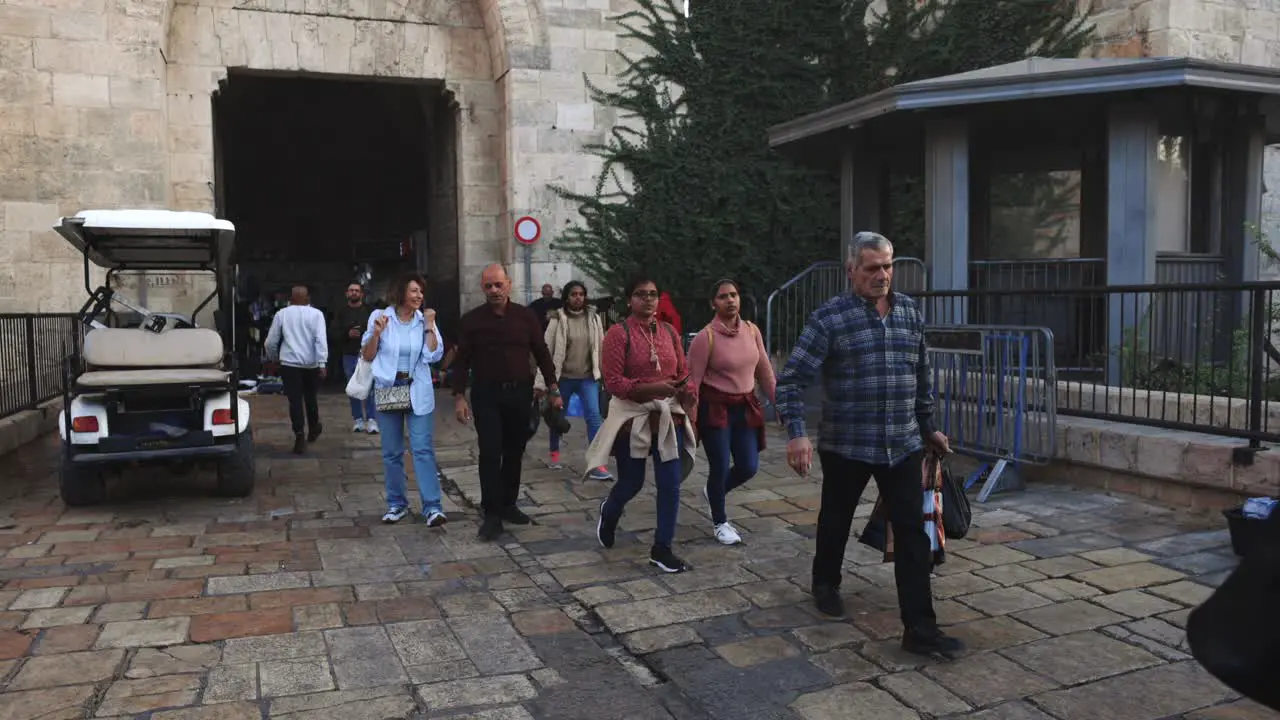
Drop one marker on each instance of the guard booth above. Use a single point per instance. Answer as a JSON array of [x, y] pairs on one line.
[[1058, 174], [1064, 183]]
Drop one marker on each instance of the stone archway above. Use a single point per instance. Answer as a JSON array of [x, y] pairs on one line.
[[468, 44]]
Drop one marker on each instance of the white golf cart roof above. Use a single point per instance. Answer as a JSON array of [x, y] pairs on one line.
[[150, 239]]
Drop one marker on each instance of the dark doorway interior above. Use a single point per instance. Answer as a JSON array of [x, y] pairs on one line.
[[335, 179]]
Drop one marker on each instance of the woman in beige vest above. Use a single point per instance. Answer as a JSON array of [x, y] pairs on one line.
[[574, 335]]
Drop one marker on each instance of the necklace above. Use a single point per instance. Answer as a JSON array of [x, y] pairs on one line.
[[653, 348]]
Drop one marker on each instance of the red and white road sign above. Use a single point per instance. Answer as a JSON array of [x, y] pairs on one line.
[[528, 230]]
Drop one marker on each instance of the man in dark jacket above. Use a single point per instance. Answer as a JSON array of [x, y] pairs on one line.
[[349, 324], [545, 305], [495, 342]]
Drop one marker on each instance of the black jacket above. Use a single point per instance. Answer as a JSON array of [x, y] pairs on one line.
[[346, 318]]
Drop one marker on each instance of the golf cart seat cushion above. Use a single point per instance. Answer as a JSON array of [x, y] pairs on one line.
[[130, 348], [169, 376]]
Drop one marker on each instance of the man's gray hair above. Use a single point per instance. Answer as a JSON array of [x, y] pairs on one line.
[[867, 240]]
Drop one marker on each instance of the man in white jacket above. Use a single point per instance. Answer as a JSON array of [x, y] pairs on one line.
[[298, 342]]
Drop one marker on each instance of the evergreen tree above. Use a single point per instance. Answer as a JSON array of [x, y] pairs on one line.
[[690, 190]]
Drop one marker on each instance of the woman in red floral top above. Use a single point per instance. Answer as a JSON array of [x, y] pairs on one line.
[[642, 360]]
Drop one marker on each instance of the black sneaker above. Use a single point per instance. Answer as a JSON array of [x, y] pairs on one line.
[[299, 444], [491, 529], [606, 530], [665, 560], [516, 516], [932, 642], [827, 599], [315, 432]]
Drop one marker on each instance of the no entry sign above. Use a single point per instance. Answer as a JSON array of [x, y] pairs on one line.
[[528, 230]]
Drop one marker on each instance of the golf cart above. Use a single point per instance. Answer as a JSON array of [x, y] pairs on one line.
[[159, 392]]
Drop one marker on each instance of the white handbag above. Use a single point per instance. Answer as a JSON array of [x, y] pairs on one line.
[[361, 381]]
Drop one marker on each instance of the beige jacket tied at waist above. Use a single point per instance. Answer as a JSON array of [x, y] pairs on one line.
[[557, 337], [621, 411]]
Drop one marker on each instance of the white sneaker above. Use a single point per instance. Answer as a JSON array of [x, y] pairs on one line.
[[395, 514], [358, 426], [435, 518], [727, 535], [371, 426]]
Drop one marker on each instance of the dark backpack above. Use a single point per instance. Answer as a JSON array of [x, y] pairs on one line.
[[957, 515], [1233, 634]]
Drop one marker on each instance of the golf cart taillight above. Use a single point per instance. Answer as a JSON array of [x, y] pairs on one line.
[[223, 417], [87, 424]]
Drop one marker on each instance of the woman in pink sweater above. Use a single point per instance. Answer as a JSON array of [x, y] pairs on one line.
[[727, 360]]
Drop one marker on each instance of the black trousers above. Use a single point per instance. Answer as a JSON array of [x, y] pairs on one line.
[[300, 387], [843, 481], [502, 419]]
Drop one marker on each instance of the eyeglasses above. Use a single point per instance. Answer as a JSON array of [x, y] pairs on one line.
[[645, 294]]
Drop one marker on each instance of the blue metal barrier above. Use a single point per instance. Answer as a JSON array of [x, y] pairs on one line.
[[995, 389]]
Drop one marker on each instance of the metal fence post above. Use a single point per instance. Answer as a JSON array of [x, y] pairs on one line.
[[33, 384], [1257, 362]]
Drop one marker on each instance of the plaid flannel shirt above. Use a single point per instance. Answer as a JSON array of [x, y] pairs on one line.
[[878, 398]]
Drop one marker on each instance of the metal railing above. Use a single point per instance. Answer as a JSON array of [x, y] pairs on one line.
[[1197, 357], [788, 308], [1171, 269], [1037, 274], [1189, 268], [32, 350], [994, 399]]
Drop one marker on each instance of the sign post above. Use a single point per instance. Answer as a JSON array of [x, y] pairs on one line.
[[527, 232]]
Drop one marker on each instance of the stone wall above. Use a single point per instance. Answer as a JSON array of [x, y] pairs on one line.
[[108, 105]]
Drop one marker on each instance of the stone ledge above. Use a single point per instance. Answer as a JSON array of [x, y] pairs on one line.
[[21, 428], [1180, 468]]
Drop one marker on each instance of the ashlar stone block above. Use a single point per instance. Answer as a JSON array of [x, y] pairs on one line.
[[855, 701]]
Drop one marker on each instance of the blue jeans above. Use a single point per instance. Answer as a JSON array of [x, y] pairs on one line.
[[739, 442], [370, 409], [421, 445], [587, 390], [666, 475]]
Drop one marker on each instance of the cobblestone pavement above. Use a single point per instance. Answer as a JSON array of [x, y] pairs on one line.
[[298, 603]]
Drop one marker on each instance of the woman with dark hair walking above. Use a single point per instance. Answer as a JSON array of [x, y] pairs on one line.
[[574, 336], [402, 342], [645, 373], [727, 361]]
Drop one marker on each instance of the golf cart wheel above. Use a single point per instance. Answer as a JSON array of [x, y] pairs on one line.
[[81, 485], [235, 473]]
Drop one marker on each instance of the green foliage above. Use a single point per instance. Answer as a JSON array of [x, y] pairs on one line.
[[690, 190]]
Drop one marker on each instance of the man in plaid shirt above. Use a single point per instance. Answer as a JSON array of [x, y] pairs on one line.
[[877, 419]]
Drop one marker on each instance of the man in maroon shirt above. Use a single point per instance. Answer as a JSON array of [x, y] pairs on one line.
[[495, 341]]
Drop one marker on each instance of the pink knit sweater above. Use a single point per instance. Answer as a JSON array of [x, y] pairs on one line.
[[732, 363]]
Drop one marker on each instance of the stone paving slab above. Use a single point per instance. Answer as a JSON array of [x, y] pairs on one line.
[[172, 604]]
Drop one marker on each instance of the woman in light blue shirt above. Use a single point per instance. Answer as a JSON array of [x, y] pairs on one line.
[[401, 342]]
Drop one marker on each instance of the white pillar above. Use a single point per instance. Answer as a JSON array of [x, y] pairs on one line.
[[946, 158], [1132, 136]]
